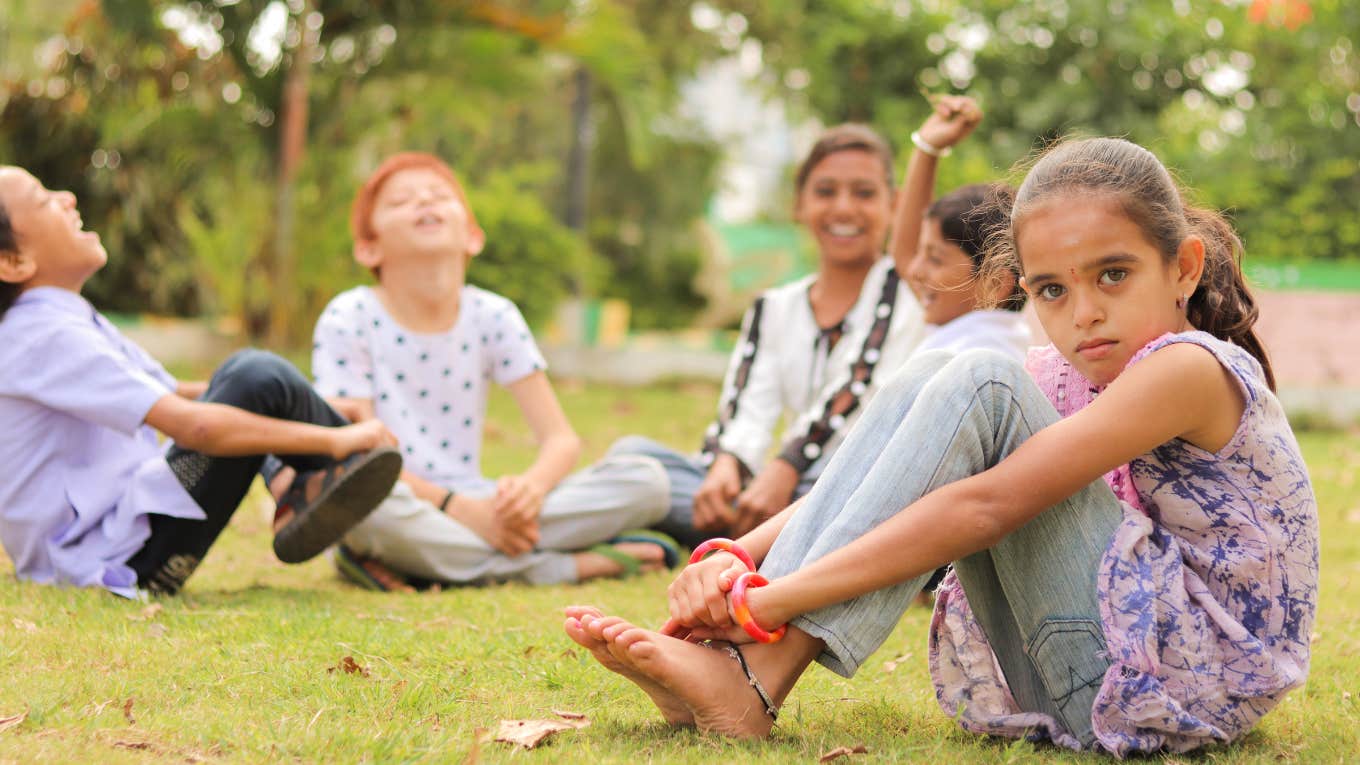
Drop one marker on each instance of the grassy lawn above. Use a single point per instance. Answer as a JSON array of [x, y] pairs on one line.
[[243, 666]]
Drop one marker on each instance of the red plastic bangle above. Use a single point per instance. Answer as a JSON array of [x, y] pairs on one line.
[[742, 611], [726, 545]]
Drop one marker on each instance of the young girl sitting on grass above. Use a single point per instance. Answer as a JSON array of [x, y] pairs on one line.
[[87, 496], [1167, 606]]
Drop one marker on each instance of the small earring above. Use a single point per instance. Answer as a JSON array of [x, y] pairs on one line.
[[1182, 302]]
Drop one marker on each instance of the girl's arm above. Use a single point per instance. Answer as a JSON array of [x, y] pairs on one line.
[[953, 118], [1180, 391], [220, 430], [559, 447]]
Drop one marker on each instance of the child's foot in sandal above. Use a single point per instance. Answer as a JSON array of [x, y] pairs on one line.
[[627, 555], [321, 506], [368, 573]]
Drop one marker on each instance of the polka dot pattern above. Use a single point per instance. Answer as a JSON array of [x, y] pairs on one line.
[[430, 388]]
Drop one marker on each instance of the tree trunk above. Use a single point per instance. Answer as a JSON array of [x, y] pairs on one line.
[[578, 159], [292, 147]]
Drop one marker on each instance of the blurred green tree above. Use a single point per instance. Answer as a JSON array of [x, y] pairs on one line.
[[1256, 103], [216, 145]]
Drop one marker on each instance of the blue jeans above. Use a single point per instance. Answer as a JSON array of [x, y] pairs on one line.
[[1034, 593], [256, 381], [686, 473]]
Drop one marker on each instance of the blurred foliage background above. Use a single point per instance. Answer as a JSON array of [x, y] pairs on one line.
[[216, 144]]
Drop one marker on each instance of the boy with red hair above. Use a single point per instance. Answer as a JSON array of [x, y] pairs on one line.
[[419, 351]]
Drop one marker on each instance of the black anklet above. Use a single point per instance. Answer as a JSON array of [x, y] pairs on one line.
[[770, 708]]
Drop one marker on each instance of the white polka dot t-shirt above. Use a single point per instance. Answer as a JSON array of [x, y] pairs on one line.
[[430, 389]]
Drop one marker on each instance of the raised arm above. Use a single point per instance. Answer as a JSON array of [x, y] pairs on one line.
[[953, 118]]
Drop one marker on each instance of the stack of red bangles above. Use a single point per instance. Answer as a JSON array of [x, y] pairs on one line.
[[740, 610]]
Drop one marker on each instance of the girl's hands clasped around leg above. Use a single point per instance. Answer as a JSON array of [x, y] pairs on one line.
[[698, 600]]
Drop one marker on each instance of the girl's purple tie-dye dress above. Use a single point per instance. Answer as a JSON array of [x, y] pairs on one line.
[[1208, 588]]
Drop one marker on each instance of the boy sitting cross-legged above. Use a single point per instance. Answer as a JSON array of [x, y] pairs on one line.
[[419, 350]]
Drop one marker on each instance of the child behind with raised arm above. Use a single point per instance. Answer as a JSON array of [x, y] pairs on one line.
[[950, 236], [810, 353]]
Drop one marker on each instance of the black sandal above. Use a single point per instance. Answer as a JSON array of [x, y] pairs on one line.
[[350, 490]]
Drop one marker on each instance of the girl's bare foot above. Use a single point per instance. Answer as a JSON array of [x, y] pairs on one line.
[[708, 682], [585, 624]]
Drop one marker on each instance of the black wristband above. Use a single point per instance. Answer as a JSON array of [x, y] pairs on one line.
[[444, 506]]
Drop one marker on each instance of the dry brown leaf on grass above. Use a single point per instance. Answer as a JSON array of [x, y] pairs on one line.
[[142, 742], [891, 664], [147, 614], [13, 721], [350, 667], [843, 751], [531, 733]]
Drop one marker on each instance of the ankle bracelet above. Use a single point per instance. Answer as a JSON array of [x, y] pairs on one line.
[[770, 708]]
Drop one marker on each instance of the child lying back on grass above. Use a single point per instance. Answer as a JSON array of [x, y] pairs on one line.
[[88, 496]]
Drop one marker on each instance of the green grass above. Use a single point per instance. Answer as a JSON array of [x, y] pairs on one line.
[[239, 668]]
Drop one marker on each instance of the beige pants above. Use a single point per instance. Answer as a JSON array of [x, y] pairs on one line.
[[417, 539]]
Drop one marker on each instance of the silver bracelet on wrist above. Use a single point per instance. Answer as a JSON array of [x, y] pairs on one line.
[[926, 147]]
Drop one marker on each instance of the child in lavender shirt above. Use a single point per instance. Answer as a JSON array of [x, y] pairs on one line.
[[88, 497], [1166, 607], [949, 237]]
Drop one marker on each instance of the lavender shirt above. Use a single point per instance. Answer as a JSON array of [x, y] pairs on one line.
[[81, 470]]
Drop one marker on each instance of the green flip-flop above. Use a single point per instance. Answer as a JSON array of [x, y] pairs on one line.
[[632, 566]]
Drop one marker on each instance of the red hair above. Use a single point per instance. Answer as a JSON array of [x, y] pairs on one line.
[[361, 213]]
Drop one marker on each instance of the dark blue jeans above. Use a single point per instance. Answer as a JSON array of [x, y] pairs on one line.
[[256, 381]]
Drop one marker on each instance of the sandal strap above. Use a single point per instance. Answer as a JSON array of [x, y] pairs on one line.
[[631, 566], [296, 494], [770, 708], [670, 549]]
